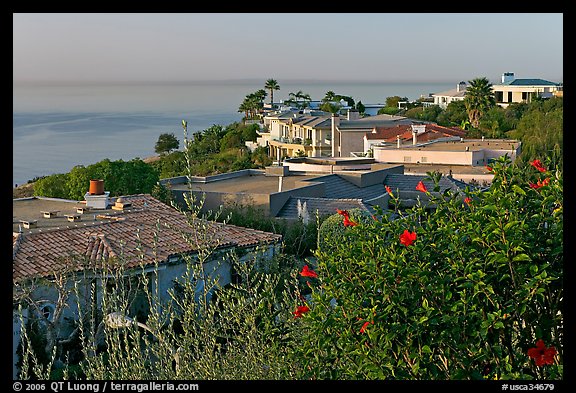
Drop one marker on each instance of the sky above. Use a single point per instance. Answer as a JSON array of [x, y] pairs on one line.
[[388, 47]]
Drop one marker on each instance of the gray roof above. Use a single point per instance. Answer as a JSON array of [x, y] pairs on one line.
[[451, 93], [403, 182], [371, 122], [339, 188], [324, 206]]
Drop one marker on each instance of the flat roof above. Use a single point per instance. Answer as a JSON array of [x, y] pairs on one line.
[[250, 184], [32, 209], [473, 145]]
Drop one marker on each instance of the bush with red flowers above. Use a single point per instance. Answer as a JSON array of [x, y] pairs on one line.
[[461, 291]]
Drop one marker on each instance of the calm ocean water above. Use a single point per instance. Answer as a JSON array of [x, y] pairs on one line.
[[56, 127]]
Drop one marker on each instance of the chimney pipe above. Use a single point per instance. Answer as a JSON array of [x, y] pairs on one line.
[[398, 141], [280, 180], [414, 133], [96, 187]]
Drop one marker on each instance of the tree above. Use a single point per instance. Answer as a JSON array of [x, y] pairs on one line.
[[479, 98], [392, 102], [166, 143], [360, 106], [272, 84]]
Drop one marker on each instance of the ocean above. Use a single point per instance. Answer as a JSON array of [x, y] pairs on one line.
[[59, 126]]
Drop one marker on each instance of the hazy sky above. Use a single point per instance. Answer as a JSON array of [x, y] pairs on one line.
[[319, 46]]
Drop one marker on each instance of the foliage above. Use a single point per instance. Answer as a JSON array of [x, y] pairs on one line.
[[54, 186], [454, 114], [479, 98], [541, 131], [392, 101], [298, 239], [388, 110], [272, 85], [481, 283], [166, 143], [332, 229], [120, 178]]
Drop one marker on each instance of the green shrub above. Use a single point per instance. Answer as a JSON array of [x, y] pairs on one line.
[[479, 286]]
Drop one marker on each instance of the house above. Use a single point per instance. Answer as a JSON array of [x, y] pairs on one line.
[[410, 133], [443, 99], [320, 134], [302, 187], [130, 235], [468, 156], [292, 131], [517, 90], [348, 133]]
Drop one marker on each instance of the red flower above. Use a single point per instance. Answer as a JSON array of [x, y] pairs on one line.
[[300, 310], [539, 184], [363, 328], [346, 215], [467, 200], [541, 354], [307, 272], [421, 187], [349, 223], [489, 168], [407, 238], [388, 190], [538, 165]]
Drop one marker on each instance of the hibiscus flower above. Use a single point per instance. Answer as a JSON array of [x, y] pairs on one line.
[[541, 354], [307, 272], [407, 238], [421, 187], [538, 165], [300, 310]]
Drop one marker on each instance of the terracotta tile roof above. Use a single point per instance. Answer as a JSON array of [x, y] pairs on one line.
[[432, 131], [148, 228]]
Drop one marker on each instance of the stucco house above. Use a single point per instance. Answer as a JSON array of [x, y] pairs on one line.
[[137, 234], [413, 134], [442, 99], [517, 90]]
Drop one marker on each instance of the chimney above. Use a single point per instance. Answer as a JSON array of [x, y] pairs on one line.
[[507, 77], [353, 114], [398, 141], [280, 180], [335, 124], [414, 133], [96, 197]]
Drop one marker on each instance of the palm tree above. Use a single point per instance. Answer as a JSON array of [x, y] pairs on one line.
[[479, 98], [272, 84], [330, 96]]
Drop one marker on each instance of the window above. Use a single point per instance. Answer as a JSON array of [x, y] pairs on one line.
[[509, 96]]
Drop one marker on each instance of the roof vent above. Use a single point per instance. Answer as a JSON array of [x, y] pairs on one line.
[[121, 204]]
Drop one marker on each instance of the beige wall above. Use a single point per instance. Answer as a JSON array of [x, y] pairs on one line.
[[474, 158], [350, 141]]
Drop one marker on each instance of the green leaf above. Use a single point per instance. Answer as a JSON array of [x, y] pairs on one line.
[[518, 190], [521, 257]]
